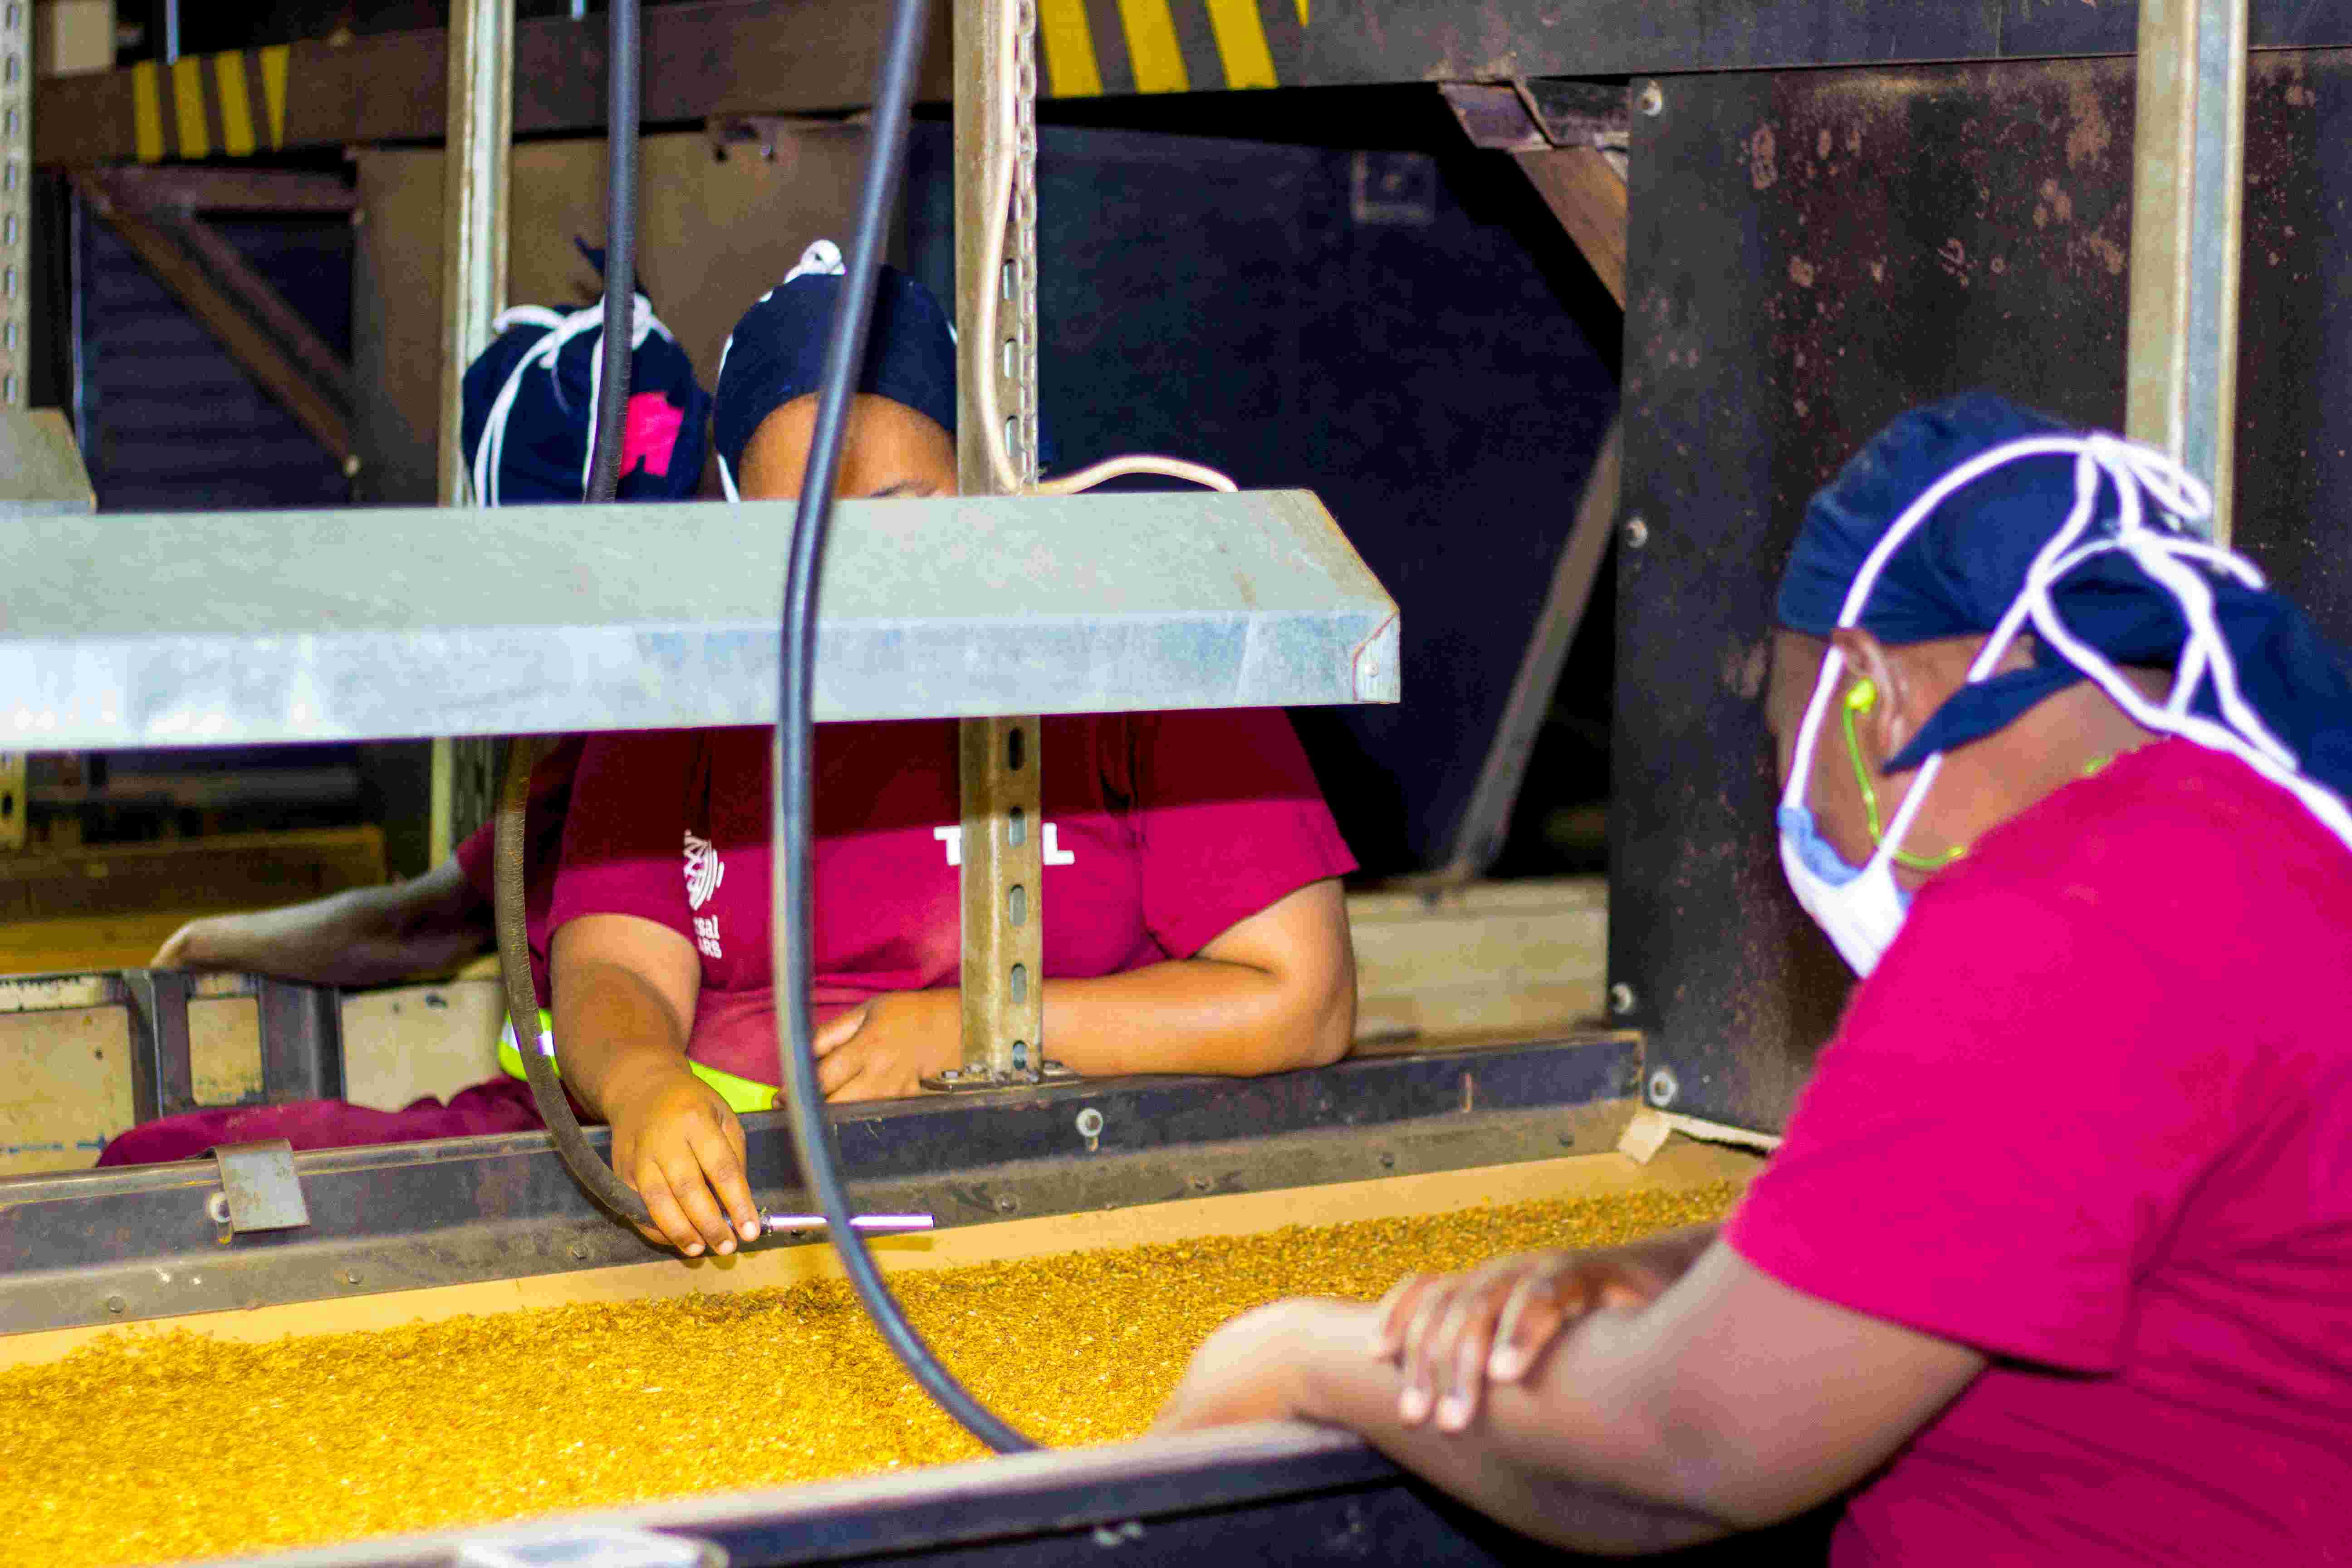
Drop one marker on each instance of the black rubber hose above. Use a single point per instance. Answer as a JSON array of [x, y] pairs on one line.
[[621, 57], [795, 738], [509, 913]]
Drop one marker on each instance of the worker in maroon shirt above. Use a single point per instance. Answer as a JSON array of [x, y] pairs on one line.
[[1192, 915], [2056, 1262], [1193, 920]]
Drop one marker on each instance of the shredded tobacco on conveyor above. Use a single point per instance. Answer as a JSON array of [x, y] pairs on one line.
[[154, 1447]]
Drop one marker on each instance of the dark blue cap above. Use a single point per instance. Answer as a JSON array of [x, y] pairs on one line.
[[543, 366], [1959, 571], [777, 352]]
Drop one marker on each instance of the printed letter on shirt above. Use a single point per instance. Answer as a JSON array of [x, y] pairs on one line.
[[706, 935]]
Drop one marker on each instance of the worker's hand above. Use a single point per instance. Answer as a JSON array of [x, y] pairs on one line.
[[883, 1049], [265, 941], [675, 1140], [1252, 1369], [1451, 1334]]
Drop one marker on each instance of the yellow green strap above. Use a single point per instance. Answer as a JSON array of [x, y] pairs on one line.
[[740, 1094]]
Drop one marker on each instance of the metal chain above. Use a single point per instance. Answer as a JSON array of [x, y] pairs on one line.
[[1024, 244]]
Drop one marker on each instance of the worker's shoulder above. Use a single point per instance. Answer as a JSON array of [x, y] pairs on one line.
[[2182, 847]]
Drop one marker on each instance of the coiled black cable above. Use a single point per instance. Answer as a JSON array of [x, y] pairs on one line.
[[795, 735], [508, 842], [621, 68], [795, 739], [509, 911]]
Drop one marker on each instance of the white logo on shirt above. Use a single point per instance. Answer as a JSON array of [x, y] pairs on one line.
[[706, 935], [703, 872], [1054, 855]]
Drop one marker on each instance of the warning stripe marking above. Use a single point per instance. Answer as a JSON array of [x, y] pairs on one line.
[[1071, 69], [235, 108], [146, 113], [1151, 46], [188, 107], [231, 103]]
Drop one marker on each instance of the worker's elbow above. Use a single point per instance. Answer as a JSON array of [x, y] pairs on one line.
[[1319, 1025]]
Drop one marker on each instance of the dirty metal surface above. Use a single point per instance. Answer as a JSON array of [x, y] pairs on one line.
[[1811, 253]]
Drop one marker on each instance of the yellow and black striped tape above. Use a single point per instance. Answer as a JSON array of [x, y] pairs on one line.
[[232, 103], [1096, 46]]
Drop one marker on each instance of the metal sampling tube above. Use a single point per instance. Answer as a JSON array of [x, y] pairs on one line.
[[884, 1223]]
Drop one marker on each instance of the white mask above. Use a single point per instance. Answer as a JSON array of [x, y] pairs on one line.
[[1862, 910]]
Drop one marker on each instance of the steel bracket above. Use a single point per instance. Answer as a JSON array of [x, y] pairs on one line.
[[258, 1189], [965, 1080]]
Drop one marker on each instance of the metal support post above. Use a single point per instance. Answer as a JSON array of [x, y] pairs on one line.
[[2188, 193], [15, 295], [1003, 833], [473, 290]]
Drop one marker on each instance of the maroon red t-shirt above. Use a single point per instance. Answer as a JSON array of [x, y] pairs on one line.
[[1160, 832], [2093, 1115]]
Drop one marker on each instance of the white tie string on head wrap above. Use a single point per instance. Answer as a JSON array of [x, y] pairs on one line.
[[561, 329], [823, 259], [2165, 549]]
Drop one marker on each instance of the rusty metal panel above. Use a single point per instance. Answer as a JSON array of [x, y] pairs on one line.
[[1811, 254]]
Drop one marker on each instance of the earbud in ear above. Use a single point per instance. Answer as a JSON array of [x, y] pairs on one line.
[[1864, 697]]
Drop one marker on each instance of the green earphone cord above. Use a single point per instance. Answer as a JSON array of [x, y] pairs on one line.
[[1860, 700]]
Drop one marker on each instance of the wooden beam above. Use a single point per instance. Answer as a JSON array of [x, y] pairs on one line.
[[168, 251], [269, 309], [218, 188], [1586, 195]]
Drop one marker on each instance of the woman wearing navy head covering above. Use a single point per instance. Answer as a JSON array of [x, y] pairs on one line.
[[2056, 1262], [1192, 918], [1191, 904]]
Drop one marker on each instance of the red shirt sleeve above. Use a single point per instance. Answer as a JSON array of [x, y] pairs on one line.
[[625, 836], [1994, 1148], [1227, 820]]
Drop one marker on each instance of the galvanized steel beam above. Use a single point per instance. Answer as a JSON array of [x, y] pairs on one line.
[[246, 627]]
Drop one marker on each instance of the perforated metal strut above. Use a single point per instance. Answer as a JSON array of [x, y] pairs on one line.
[[1002, 834]]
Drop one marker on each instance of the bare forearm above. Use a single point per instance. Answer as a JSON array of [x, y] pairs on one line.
[[615, 1032], [368, 936], [1554, 1462], [1193, 1015], [1672, 1252]]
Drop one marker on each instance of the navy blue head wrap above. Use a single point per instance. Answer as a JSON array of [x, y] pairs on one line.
[[1958, 574], [542, 369], [777, 352]]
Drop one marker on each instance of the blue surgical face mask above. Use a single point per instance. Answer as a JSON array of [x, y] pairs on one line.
[[1860, 907]]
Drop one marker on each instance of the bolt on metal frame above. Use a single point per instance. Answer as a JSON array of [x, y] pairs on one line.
[[2188, 198]]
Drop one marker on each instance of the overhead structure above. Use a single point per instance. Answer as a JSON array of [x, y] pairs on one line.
[[2189, 186], [264, 628]]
